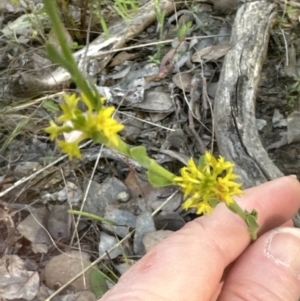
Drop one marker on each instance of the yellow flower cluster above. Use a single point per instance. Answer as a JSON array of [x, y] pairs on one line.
[[95, 124], [208, 183]]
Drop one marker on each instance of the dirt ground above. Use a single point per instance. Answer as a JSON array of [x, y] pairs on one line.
[[158, 90]]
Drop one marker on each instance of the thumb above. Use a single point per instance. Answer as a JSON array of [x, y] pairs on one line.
[[268, 270]]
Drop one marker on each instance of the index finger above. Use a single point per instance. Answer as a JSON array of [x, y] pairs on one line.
[[189, 264]]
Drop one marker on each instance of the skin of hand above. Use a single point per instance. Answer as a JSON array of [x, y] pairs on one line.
[[189, 265]]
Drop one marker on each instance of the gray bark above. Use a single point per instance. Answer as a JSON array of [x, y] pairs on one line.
[[234, 104]]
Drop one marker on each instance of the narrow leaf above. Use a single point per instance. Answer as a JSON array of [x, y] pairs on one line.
[[98, 283], [140, 155], [93, 216], [158, 180]]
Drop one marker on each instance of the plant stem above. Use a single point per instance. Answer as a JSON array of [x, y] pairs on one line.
[[234, 207]]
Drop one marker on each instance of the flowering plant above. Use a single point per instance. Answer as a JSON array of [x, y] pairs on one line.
[[95, 124], [210, 182], [204, 184]]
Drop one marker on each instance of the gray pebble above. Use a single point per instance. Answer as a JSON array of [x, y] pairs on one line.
[[170, 206], [107, 242], [123, 218], [100, 196], [144, 224]]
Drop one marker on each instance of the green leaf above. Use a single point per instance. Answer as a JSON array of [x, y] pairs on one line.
[[98, 283], [252, 224], [93, 216], [66, 59], [201, 161], [254, 213], [182, 30], [158, 180], [139, 154], [51, 106], [104, 26], [56, 57], [157, 175], [213, 202]]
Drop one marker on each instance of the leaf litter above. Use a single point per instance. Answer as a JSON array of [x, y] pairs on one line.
[[159, 104]]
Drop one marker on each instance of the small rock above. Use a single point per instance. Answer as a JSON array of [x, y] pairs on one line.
[[144, 224], [59, 222], [26, 168], [33, 227], [168, 221], [278, 119], [260, 124], [123, 218], [62, 268], [170, 206], [100, 196], [177, 138], [72, 192], [123, 196], [106, 243]]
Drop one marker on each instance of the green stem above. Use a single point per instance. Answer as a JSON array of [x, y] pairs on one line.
[[122, 147], [238, 210], [157, 174], [67, 57], [249, 218], [158, 169]]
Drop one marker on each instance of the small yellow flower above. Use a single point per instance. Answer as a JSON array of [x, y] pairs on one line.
[[210, 181], [88, 103], [70, 148], [69, 107], [97, 124], [54, 130], [107, 125]]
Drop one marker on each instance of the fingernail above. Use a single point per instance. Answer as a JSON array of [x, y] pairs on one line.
[[283, 247], [293, 176]]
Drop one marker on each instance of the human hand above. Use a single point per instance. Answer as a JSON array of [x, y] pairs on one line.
[[189, 264]]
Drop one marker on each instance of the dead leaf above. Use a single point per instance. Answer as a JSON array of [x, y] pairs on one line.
[[122, 57], [156, 101], [33, 227], [15, 281], [209, 53], [183, 81], [135, 184]]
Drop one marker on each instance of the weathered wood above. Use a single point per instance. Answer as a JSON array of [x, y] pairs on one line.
[[234, 104]]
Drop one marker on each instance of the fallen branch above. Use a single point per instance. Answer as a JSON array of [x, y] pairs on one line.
[[234, 104]]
